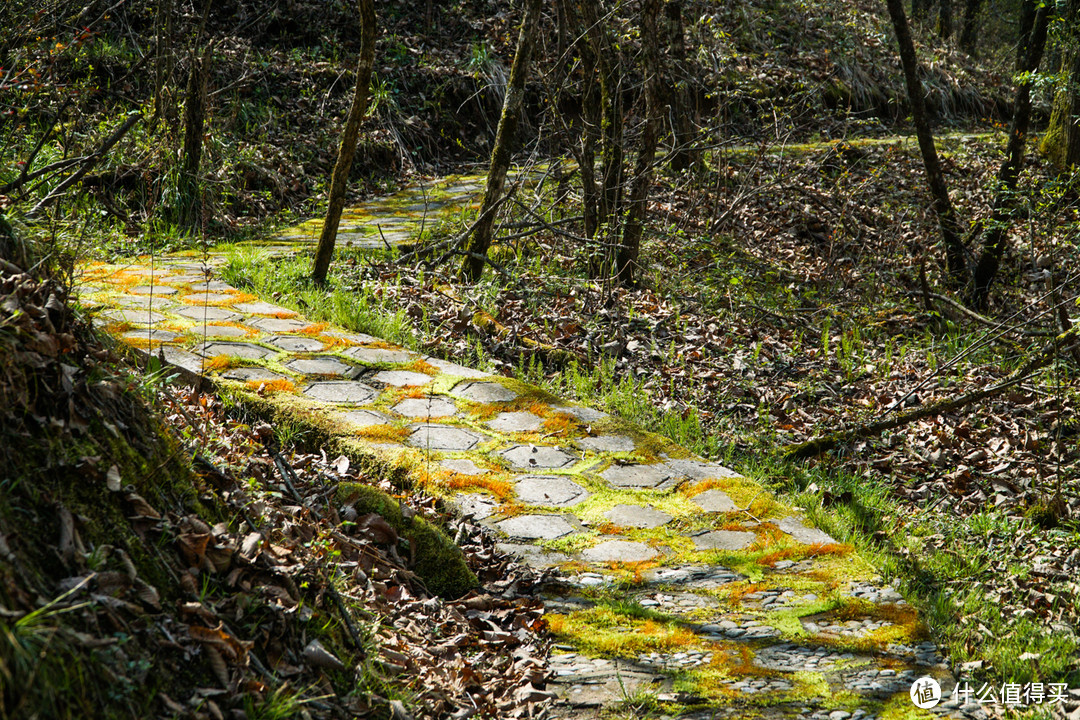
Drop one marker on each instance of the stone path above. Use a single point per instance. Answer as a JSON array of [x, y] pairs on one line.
[[677, 578]]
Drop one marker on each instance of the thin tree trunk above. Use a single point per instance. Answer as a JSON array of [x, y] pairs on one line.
[[194, 119], [339, 180], [955, 252], [472, 268], [686, 155], [626, 259], [970, 29], [997, 227], [945, 19]]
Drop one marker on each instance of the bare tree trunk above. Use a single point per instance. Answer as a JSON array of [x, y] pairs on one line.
[[971, 26], [162, 57], [945, 19], [626, 259], [680, 107], [339, 180], [472, 268], [194, 119], [1061, 143], [997, 227], [955, 252]]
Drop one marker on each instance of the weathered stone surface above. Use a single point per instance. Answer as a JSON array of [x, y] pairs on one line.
[[429, 407], [380, 355], [212, 285], [144, 301], [619, 551], [341, 391], [135, 316], [714, 501], [723, 540], [152, 290], [253, 374], [533, 555], [296, 343], [551, 490], [183, 359], [637, 516], [209, 298], [232, 331], [483, 392], [537, 456], [449, 368], [608, 443], [328, 366], [153, 336], [247, 351], [401, 378], [207, 313], [794, 527], [443, 437], [516, 422], [263, 308], [536, 527], [699, 470], [479, 506], [584, 414], [638, 476], [359, 338], [363, 418], [462, 466], [279, 325]]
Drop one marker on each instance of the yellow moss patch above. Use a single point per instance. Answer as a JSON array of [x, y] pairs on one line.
[[333, 341], [250, 331], [220, 362], [283, 314], [422, 366], [384, 433], [268, 387], [602, 631], [501, 489], [121, 326], [560, 424], [313, 330], [801, 552], [237, 297]]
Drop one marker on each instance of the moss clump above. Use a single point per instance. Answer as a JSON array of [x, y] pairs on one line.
[[438, 561]]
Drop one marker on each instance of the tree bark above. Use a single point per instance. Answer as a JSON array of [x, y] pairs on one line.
[[190, 199], [996, 229], [686, 154], [472, 268], [1061, 144], [339, 180], [971, 26], [945, 19], [626, 258], [955, 251]]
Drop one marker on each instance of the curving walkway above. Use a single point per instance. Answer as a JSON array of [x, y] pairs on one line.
[[681, 584]]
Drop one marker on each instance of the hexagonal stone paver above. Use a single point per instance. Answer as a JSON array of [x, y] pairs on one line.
[[295, 343], [584, 414], [380, 355], [341, 391], [208, 298], [429, 407], [449, 368], [537, 456], [325, 365], [698, 470], [152, 290], [401, 378], [183, 359], [638, 476], [479, 506], [212, 285], [608, 443], [794, 527], [516, 422], [362, 418], [263, 308], [247, 351], [483, 392], [135, 316], [723, 540], [637, 516], [714, 501], [232, 331], [551, 490], [207, 313], [462, 466], [619, 551], [442, 437], [153, 336], [536, 527], [533, 555], [279, 325], [143, 301], [253, 374], [360, 338]]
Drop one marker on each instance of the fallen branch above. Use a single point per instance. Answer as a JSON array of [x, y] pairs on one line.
[[825, 443]]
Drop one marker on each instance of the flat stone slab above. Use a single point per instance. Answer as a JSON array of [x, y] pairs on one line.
[[714, 501], [794, 527], [263, 308], [550, 490], [358, 338], [232, 331], [253, 374], [516, 422], [483, 392], [153, 336], [341, 391], [477, 505], [135, 316], [463, 466], [204, 286], [537, 456], [619, 551], [584, 414], [637, 516], [536, 527], [533, 555], [152, 290], [700, 470], [207, 313], [608, 443], [183, 359], [401, 378], [296, 343], [208, 298], [329, 366], [442, 437], [637, 476], [723, 540], [363, 418], [448, 368], [247, 351], [429, 407], [279, 325], [380, 355], [143, 301]]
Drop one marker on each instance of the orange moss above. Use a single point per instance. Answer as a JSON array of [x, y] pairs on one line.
[[332, 341], [801, 552], [268, 387], [511, 508], [251, 332], [560, 424], [707, 484], [422, 366], [737, 659], [384, 433], [501, 489], [313, 330], [609, 528], [635, 570], [120, 326], [219, 362], [284, 314], [237, 297], [737, 593]]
